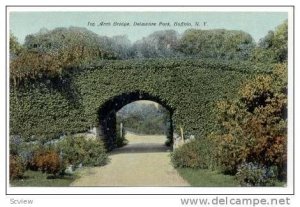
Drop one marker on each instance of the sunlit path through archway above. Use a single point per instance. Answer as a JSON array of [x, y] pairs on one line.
[[140, 163]]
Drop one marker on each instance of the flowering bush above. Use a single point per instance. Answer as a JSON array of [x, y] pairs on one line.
[[254, 127], [48, 161], [252, 174]]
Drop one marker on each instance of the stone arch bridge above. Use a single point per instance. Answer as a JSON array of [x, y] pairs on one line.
[[89, 96]]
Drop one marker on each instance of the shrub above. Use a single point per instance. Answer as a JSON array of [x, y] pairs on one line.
[[16, 167], [254, 127], [14, 144], [120, 138], [194, 154], [251, 174], [79, 150], [47, 161], [27, 151]]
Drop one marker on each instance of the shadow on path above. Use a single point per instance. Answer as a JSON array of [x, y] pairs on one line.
[[141, 148]]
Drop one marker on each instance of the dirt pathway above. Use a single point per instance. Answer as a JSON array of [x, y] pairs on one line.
[[145, 161]]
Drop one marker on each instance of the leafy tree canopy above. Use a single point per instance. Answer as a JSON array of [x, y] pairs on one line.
[[219, 43], [158, 44], [274, 46]]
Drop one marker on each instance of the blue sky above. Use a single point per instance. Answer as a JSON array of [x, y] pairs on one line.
[[255, 23]]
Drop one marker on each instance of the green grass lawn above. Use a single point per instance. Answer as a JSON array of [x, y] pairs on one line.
[[39, 179], [207, 178]]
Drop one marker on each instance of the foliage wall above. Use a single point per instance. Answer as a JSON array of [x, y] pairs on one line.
[[46, 107]]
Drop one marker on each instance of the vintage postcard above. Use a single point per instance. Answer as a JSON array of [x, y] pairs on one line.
[[150, 100]]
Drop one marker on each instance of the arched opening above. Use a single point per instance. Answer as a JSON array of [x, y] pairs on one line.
[[107, 129], [144, 127]]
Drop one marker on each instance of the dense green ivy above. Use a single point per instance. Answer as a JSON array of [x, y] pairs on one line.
[[44, 108]]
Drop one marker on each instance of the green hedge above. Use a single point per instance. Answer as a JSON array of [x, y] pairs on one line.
[[194, 154], [80, 150], [44, 108]]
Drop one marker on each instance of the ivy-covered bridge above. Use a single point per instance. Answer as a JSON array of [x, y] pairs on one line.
[[90, 96]]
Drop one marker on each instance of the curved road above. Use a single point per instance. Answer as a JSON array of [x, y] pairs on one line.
[[145, 161]]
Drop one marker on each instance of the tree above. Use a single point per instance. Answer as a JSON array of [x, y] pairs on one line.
[[254, 127], [158, 44], [219, 43], [144, 118], [50, 52], [15, 48], [122, 46], [273, 47], [280, 42], [78, 44]]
